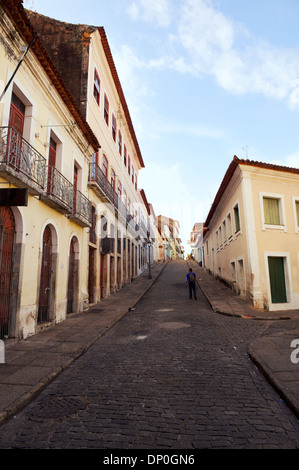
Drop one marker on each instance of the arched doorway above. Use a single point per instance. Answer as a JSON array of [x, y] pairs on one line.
[[72, 290], [7, 243], [45, 279]]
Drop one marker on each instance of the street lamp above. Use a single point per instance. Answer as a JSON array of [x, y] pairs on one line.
[[149, 243]]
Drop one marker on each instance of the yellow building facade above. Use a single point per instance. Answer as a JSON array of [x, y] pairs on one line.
[[45, 148], [118, 243], [251, 234]]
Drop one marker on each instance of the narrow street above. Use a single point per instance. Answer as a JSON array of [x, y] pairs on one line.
[[170, 375]]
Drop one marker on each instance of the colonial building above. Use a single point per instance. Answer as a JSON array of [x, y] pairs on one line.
[[79, 230], [251, 236], [171, 242], [196, 239], [45, 149], [118, 238]]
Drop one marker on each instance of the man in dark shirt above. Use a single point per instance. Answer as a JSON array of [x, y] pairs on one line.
[[191, 282]]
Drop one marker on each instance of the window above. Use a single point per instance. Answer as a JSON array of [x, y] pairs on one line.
[[237, 218], [297, 211], [271, 211], [120, 139], [229, 227], [224, 232], [113, 127], [96, 87], [129, 164], [132, 174], [113, 179], [125, 155], [119, 189], [106, 109], [105, 166], [233, 271], [136, 181]]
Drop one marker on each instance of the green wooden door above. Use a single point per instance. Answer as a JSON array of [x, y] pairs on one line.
[[277, 280]]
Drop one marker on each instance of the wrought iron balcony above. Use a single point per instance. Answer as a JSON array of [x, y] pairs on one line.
[[81, 210], [20, 163], [100, 184], [59, 192]]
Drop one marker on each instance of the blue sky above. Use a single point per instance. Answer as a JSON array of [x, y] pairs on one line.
[[204, 80]]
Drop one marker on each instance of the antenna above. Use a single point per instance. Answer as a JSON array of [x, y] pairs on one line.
[[245, 150]]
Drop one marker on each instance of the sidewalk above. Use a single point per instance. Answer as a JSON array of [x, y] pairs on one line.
[[30, 365], [271, 354]]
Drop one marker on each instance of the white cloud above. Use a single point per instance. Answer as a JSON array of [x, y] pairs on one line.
[[157, 11], [167, 189], [211, 42], [203, 41], [291, 161]]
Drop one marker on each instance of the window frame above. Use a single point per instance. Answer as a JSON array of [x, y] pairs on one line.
[[113, 127], [105, 166], [296, 214], [237, 229], [120, 140], [281, 208], [97, 97], [106, 109]]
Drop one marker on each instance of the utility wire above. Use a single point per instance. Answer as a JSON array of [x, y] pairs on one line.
[[17, 68]]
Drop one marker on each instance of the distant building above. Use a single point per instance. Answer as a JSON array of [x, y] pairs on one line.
[[251, 239], [196, 242], [169, 231]]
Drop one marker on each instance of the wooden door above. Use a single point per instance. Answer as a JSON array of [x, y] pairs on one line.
[[91, 275], [7, 239], [75, 189], [277, 280], [45, 280], [51, 166], [71, 279], [16, 122]]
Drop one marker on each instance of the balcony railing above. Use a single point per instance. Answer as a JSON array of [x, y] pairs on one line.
[[20, 163], [59, 191], [98, 180], [82, 208]]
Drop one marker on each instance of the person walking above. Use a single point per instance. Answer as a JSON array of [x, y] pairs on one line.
[[191, 282]]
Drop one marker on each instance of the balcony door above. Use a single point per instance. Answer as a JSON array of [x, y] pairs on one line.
[[16, 121], [17, 114], [52, 163], [75, 189]]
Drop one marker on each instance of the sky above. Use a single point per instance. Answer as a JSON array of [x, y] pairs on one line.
[[204, 80]]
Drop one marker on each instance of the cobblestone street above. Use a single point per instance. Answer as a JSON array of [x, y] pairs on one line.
[[170, 375]]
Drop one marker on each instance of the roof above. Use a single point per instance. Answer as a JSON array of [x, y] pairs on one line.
[[16, 12], [144, 198], [230, 172]]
